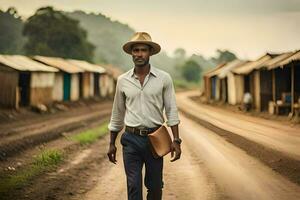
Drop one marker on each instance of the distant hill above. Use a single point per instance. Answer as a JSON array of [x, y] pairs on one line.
[[108, 37], [11, 38]]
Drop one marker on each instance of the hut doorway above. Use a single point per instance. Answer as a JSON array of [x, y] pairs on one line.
[[96, 84], [265, 89], [213, 87], [24, 85], [247, 83], [67, 87], [80, 85]]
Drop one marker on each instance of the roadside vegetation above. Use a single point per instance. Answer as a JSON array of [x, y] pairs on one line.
[[46, 160], [91, 135]]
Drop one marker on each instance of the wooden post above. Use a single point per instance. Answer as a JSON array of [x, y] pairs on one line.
[[17, 99], [273, 86], [292, 87]]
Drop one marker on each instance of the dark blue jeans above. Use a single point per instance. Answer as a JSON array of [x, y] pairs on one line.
[[136, 153]]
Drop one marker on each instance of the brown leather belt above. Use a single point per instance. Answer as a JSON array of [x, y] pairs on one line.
[[142, 131]]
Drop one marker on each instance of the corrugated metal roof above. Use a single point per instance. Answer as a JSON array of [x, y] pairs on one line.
[[114, 71], [87, 66], [59, 63], [8, 62], [250, 66], [273, 63], [288, 60], [215, 70], [229, 67], [23, 63]]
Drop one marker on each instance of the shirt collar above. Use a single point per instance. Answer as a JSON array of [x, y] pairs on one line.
[[152, 71]]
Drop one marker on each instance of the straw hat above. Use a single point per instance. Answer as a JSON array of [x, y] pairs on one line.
[[141, 38]]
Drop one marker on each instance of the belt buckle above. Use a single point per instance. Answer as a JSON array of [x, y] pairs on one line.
[[143, 132]]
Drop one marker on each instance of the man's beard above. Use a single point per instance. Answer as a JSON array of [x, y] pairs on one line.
[[141, 64]]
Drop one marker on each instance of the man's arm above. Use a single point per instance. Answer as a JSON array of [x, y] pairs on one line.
[[175, 145], [116, 122], [175, 131], [112, 150], [172, 117]]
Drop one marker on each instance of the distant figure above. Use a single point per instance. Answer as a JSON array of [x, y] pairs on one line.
[[141, 95], [247, 101]]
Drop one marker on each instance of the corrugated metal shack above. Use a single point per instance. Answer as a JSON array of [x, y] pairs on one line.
[[285, 84], [67, 85], [109, 80], [231, 91], [212, 84], [273, 80], [251, 73], [90, 79], [265, 79], [24, 81], [222, 85]]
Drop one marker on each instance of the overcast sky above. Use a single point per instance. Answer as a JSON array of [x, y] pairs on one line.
[[249, 28]]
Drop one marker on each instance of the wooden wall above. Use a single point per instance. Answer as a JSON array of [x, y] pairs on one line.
[[9, 89]]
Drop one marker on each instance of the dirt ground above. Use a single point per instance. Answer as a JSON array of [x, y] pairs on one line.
[[20, 135], [213, 166], [210, 168]]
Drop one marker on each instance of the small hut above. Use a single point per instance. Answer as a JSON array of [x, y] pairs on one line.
[[90, 80], [212, 84], [251, 73], [109, 80], [67, 86], [285, 84], [230, 84], [24, 81]]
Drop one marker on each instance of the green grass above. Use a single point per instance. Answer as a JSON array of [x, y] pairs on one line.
[[45, 160], [48, 158], [91, 135]]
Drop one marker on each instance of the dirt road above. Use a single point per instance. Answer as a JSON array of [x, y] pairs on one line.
[[210, 168], [277, 136]]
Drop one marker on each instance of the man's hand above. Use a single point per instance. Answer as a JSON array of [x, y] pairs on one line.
[[175, 148], [112, 151]]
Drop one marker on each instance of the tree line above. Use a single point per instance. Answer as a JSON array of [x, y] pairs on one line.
[[92, 37]]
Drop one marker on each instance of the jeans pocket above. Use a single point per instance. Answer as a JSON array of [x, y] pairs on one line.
[[122, 139]]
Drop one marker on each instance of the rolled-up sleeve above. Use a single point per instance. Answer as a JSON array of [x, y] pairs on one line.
[[170, 102], [118, 110]]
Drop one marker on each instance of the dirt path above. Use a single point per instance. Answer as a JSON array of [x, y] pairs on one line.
[[34, 132], [238, 174], [277, 136], [188, 170], [210, 168]]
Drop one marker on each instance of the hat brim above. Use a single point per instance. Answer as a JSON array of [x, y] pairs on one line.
[[155, 47]]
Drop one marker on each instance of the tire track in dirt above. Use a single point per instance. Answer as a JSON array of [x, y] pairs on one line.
[[29, 139], [239, 175]]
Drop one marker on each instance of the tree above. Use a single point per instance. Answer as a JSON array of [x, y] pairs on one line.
[[51, 33], [11, 38], [180, 53], [108, 37], [224, 56], [191, 71]]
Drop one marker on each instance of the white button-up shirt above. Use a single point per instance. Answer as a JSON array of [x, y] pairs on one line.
[[139, 105]]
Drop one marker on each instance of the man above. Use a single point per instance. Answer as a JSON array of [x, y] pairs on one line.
[[141, 95], [247, 101]]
